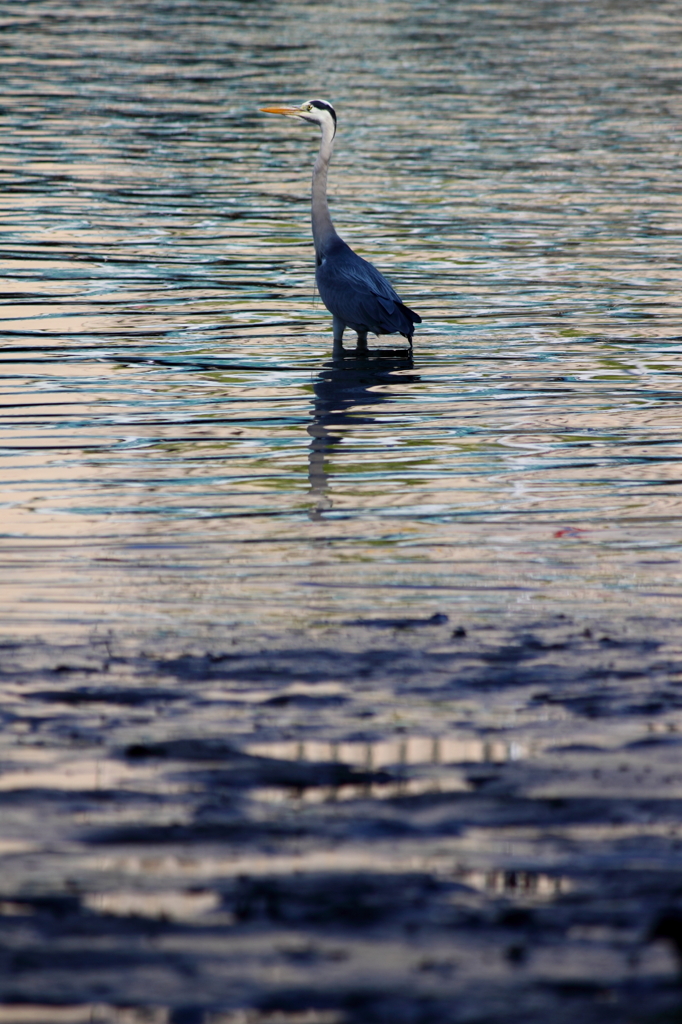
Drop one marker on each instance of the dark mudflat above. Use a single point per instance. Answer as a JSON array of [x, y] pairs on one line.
[[347, 825]]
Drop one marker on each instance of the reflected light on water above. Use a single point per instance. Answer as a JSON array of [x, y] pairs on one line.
[[177, 448], [321, 635], [402, 750], [521, 885]]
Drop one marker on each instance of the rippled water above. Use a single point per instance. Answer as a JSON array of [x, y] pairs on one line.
[[452, 792], [178, 448]]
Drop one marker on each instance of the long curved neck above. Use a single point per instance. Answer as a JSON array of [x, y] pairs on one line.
[[323, 229]]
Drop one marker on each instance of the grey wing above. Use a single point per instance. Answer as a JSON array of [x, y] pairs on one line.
[[356, 292]]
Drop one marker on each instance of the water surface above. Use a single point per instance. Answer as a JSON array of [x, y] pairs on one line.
[[178, 448], [337, 692]]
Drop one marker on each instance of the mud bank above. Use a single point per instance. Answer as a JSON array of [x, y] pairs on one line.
[[393, 820]]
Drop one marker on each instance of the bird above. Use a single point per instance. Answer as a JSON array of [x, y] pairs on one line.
[[353, 290]]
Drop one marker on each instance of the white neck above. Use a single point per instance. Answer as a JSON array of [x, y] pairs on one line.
[[323, 229]]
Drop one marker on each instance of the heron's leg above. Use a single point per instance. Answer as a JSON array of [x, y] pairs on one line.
[[362, 342], [339, 328]]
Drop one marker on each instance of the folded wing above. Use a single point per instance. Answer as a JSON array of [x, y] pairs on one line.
[[359, 295]]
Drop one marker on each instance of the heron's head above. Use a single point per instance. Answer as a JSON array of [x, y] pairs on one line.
[[317, 112]]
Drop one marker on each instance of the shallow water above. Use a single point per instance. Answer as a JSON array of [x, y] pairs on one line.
[[178, 448], [356, 690]]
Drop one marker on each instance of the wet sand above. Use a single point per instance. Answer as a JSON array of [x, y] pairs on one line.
[[419, 820]]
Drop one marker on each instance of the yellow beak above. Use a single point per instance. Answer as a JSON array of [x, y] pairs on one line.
[[287, 111]]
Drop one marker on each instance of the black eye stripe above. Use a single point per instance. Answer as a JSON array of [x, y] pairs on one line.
[[323, 105]]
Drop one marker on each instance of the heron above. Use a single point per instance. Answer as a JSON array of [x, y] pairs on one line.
[[356, 294]]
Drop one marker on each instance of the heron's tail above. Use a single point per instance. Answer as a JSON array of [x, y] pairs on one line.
[[411, 317], [397, 317], [414, 317]]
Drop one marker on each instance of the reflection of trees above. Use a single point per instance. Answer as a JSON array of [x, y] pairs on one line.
[[342, 386]]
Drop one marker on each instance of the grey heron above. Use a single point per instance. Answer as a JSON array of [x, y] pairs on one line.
[[353, 290]]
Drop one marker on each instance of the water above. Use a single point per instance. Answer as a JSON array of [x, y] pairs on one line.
[[284, 637], [512, 167]]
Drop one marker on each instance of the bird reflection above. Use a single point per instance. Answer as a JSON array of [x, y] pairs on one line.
[[346, 384]]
